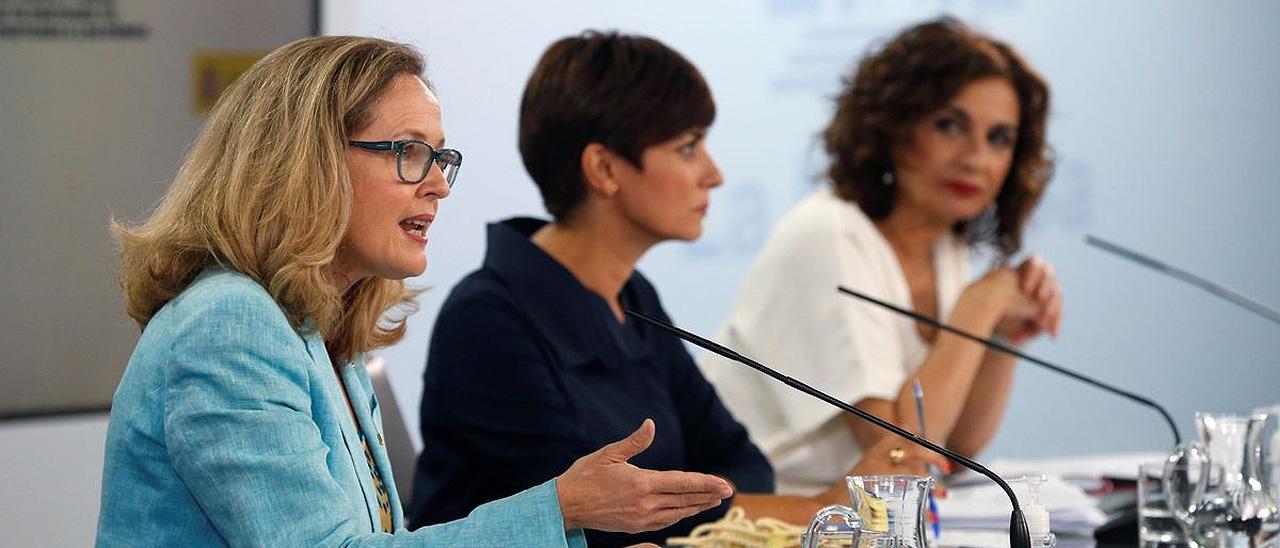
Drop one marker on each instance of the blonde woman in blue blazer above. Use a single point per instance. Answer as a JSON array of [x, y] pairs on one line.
[[272, 265]]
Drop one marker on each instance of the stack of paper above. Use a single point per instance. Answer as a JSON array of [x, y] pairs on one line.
[[985, 506], [985, 538], [976, 512]]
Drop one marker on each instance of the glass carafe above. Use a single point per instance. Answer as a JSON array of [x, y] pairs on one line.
[[889, 511], [1215, 487]]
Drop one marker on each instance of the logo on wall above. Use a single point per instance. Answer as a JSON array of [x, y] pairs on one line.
[[66, 20], [212, 72]]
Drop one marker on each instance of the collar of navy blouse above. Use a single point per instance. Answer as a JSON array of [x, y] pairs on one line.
[[578, 323]]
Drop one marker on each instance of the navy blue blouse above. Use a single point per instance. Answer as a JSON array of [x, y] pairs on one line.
[[529, 371]]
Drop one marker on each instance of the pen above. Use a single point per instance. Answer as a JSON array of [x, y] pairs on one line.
[[933, 505]]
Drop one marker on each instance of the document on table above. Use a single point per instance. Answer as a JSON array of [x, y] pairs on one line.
[[985, 506], [983, 538]]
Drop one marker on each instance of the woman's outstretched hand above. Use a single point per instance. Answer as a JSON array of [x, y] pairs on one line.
[[602, 491]]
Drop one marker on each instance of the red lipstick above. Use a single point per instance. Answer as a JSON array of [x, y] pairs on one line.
[[964, 189]]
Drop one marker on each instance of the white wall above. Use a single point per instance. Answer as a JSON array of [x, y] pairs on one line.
[[51, 470], [91, 128], [1165, 121]]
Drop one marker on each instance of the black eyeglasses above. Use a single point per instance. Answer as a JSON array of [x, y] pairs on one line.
[[414, 159]]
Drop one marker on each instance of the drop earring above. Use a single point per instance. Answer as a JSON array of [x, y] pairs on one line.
[[887, 178]]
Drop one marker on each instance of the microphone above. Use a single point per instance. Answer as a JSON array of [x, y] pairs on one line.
[[1019, 535], [1175, 272], [1001, 347]]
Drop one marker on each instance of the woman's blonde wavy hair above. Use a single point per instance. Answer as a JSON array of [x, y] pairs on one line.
[[265, 190]]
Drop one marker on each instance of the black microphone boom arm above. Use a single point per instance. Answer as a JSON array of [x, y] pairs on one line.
[[1223, 292], [1019, 535], [1001, 347]]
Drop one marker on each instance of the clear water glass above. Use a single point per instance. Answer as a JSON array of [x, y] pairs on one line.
[[1157, 527]]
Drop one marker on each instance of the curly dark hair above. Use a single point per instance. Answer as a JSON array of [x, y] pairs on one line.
[[912, 76]]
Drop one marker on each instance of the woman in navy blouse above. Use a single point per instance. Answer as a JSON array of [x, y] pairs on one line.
[[532, 360]]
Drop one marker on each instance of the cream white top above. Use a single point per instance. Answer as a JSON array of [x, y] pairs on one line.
[[789, 316]]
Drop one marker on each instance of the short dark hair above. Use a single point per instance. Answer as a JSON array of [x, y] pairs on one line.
[[625, 92], [910, 77]]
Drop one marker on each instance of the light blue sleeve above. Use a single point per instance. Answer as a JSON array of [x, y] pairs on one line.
[[528, 518], [240, 434]]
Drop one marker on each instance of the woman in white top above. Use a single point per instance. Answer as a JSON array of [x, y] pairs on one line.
[[937, 147]]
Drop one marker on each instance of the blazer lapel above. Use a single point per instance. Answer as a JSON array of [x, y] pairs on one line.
[[358, 387], [350, 433]]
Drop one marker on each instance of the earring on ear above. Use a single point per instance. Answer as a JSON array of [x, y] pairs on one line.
[[887, 178]]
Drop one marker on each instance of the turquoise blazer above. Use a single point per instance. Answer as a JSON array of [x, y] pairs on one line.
[[229, 428]]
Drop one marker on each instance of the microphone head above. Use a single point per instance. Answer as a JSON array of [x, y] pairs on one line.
[[1019, 534]]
